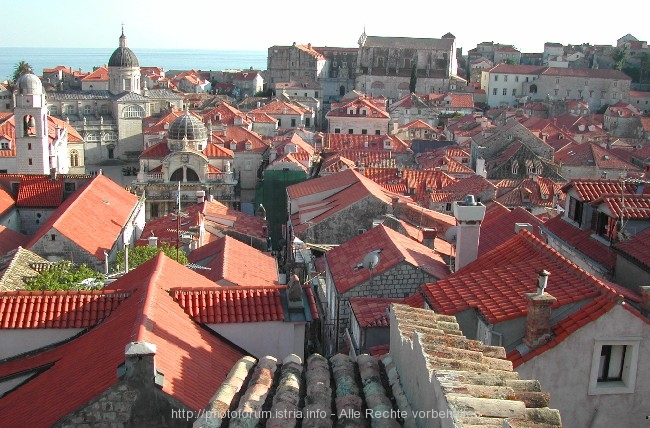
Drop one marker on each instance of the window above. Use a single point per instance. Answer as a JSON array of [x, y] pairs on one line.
[[133, 112], [615, 94], [586, 82], [591, 94], [505, 91], [568, 92], [505, 78], [87, 109], [515, 168], [53, 237], [92, 137], [74, 158], [615, 83], [514, 92], [575, 210], [69, 186], [496, 77], [557, 81], [29, 146], [377, 132], [364, 131], [53, 110], [308, 122], [293, 123], [526, 78], [69, 109], [350, 131], [337, 130], [4, 145], [29, 161], [494, 91], [613, 366], [104, 109], [516, 78], [448, 207]]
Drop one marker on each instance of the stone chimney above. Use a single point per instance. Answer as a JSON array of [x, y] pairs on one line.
[[469, 215], [538, 319], [429, 237], [200, 196], [294, 293], [521, 226], [139, 363]]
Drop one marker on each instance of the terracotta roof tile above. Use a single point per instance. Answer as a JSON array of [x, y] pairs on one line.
[[371, 311], [105, 207], [499, 225], [232, 262], [634, 207], [590, 189], [7, 201], [369, 143], [57, 309], [637, 247], [10, 239], [84, 367], [232, 304], [582, 241], [39, 191], [496, 282], [18, 265], [396, 248]]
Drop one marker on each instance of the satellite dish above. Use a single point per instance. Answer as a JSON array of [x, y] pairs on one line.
[[371, 260], [451, 234]]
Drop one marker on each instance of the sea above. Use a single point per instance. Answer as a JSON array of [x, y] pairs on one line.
[[85, 59]]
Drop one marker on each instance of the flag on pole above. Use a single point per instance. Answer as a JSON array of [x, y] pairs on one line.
[[178, 196]]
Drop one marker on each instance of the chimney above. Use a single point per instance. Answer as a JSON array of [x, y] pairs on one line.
[[200, 196], [469, 215], [153, 241], [294, 293], [538, 319], [139, 362], [526, 226], [429, 236]]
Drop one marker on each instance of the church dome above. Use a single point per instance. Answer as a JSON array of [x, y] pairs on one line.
[[188, 127], [30, 84], [123, 56]]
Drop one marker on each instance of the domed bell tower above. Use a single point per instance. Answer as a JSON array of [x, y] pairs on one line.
[[33, 152], [123, 69]]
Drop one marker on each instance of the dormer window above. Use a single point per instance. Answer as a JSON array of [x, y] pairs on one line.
[[249, 146], [233, 146], [388, 144], [5, 144], [515, 168]]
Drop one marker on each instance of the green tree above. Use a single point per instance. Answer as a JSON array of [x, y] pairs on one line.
[[21, 68], [141, 254], [644, 67], [414, 78], [619, 58], [65, 275]]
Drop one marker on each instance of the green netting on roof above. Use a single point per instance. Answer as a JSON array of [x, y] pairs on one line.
[[273, 195]]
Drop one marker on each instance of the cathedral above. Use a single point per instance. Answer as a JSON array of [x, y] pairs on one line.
[[109, 117]]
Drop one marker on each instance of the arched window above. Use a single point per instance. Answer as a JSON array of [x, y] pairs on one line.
[[74, 158], [92, 137], [515, 168], [29, 126], [533, 89], [110, 136], [191, 175], [177, 175], [342, 90], [133, 111]]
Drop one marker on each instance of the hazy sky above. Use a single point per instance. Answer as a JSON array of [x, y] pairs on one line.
[[257, 25]]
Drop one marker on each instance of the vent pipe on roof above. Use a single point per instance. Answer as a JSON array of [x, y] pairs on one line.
[[542, 281], [153, 241]]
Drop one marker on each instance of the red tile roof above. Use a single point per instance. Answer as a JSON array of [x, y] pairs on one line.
[[582, 241], [232, 304], [57, 309], [563, 329], [7, 201], [39, 191], [10, 240], [157, 151], [637, 247], [104, 206], [499, 225], [591, 154], [396, 249], [232, 262], [372, 311], [369, 143], [373, 109], [590, 189], [101, 74], [81, 369], [635, 207], [496, 282]]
